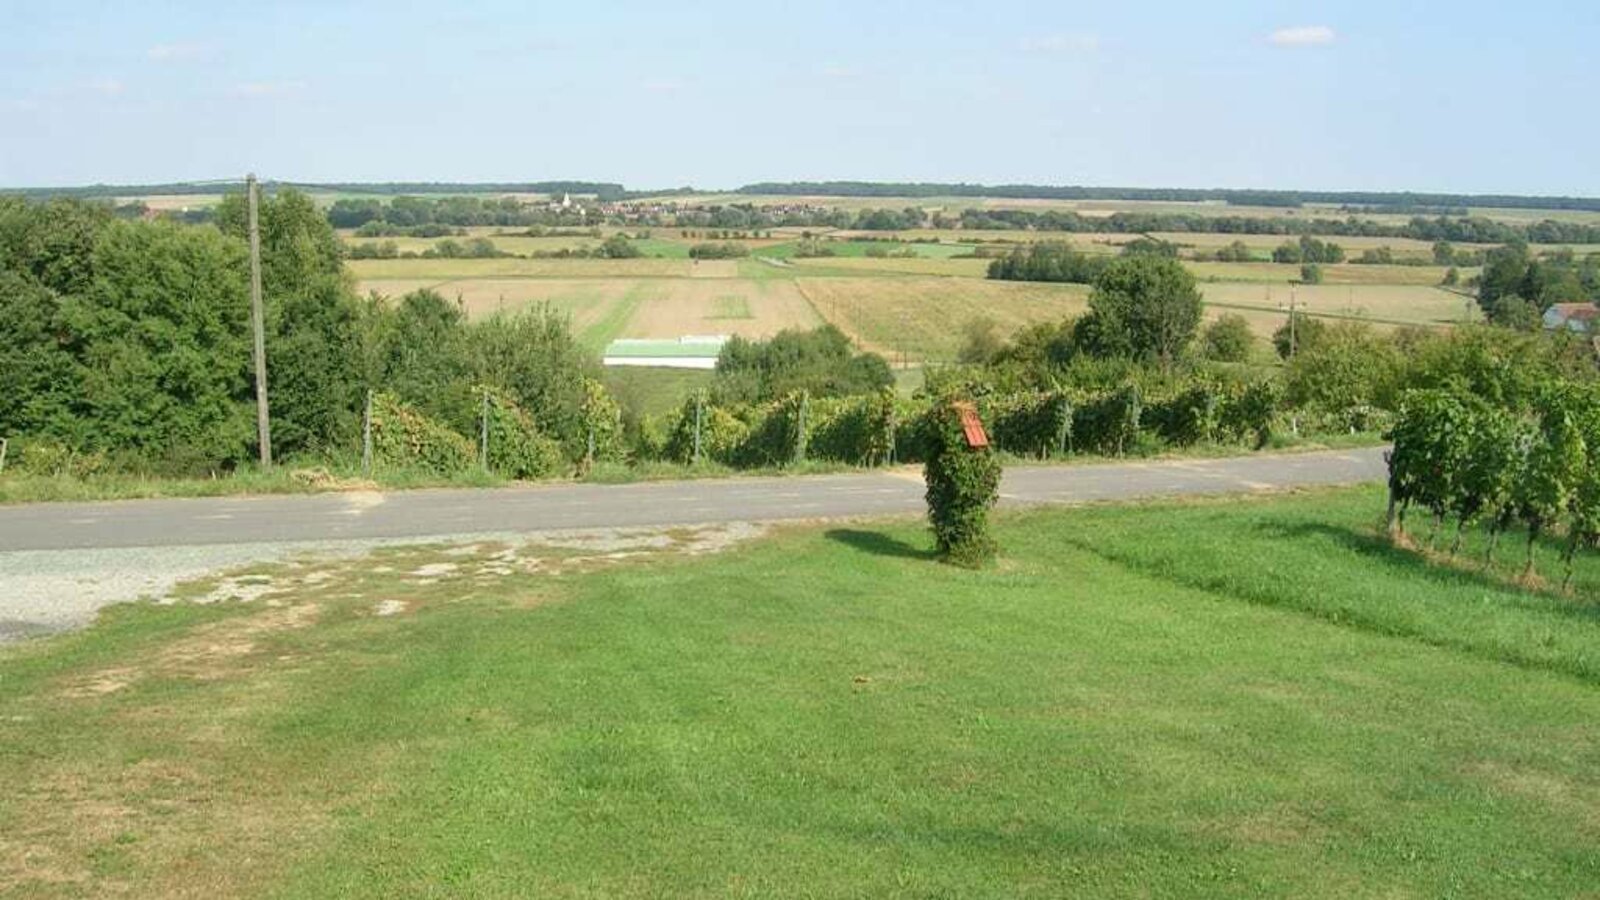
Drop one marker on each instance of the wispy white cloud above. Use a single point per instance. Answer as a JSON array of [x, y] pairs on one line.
[[268, 88], [1302, 36], [662, 85], [177, 52], [107, 87], [838, 70], [1065, 42]]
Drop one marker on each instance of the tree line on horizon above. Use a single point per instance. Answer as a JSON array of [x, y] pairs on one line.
[[609, 191]]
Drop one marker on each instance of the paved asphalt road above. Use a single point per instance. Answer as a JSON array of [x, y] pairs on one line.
[[224, 521]]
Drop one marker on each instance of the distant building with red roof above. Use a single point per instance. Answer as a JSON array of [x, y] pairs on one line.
[[1579, 317]]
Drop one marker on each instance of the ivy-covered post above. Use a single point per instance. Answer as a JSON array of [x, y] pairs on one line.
[[963, 478]]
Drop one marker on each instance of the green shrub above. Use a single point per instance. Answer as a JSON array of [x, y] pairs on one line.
[[1108, 422], [855, 430], [778, 432], [1229, 339], [41, 456], [601, 422], [517, 448], [1191, 416], [1250, 412], [1030, 424], [910, 436], [963, 484], [404, 438], [723, 435]]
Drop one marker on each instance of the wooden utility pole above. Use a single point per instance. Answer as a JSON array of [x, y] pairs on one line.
[[258, 321]]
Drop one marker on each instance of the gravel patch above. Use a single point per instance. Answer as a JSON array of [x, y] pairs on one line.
[[46, 591]]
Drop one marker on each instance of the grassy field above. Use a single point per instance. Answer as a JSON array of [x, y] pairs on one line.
[[922, 317], [1213, 699]]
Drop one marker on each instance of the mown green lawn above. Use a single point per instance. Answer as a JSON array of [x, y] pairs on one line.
[[1240, 698]]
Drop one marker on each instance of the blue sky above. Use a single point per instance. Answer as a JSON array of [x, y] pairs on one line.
[[1470, 96]]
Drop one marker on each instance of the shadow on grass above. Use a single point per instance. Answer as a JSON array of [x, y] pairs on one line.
[[1465, 571], [878, 544]]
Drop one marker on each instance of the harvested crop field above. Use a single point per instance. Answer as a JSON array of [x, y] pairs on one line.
[[1352, 244], [1336, 273], [865, 265], [922, 317], [603, 309], [1379, 303], [722, 306], [451, 269]]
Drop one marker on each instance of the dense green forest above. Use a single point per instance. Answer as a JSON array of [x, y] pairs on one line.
[[126, 343]]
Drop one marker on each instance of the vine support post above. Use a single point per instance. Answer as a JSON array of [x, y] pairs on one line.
[[699, 407], [366, 438], [1064, 430], [893, 433], [483, 433], [1571, 551], [800, 428]]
